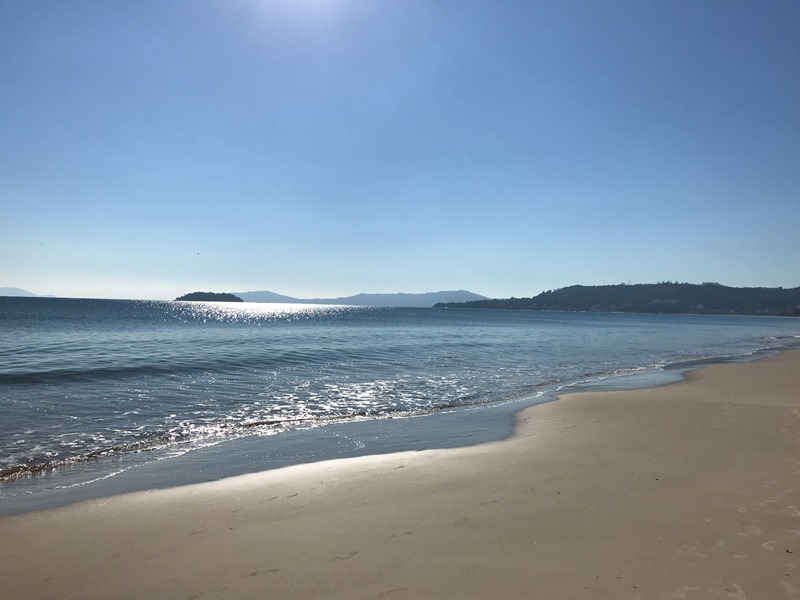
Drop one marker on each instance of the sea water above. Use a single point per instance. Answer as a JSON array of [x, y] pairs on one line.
[[90, 389]]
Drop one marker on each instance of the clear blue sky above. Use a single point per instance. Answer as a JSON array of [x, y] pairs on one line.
[[324, 147]]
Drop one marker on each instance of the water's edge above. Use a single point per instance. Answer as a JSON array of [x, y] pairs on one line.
[[447, 429]]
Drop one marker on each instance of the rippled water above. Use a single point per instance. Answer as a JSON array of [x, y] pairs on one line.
[[81, 379]]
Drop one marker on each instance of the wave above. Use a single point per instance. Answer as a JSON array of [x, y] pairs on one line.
[[78, 375], [233, 363], [153, 442], [226, 430]]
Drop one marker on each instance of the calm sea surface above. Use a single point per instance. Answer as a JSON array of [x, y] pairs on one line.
[[87, 381]]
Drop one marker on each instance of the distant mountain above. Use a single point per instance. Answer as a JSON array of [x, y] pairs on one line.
[[209, 297], [425, 300], [666, 297], [266, 297], [12, 291]]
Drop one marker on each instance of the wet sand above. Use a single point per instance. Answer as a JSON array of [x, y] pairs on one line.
[[685, 491]]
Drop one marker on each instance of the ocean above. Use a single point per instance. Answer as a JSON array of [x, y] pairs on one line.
[[98, 392]]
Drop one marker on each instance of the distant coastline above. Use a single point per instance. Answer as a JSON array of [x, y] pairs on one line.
[[665, 297], [396, 300], [393, 300]]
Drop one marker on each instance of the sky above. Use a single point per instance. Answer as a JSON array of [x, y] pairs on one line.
[[321, 148]]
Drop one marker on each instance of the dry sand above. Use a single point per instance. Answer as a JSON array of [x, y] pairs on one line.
[[684, 491]]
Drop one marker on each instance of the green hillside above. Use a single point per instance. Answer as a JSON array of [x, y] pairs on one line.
[[706, 298]]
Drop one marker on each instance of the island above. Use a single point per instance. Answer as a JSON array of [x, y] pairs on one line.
[[663, 297], [209, 297]]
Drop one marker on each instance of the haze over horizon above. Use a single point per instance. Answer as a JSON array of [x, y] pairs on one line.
[[323, 149]]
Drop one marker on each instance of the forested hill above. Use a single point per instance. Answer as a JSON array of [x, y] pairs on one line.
[[706, 298]]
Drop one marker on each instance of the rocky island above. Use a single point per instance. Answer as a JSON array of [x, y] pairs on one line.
[[209, 297]]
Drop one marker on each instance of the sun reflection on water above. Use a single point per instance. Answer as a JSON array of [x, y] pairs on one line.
[[249, 312]]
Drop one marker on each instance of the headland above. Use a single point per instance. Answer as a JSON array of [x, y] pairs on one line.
[[660, 298]]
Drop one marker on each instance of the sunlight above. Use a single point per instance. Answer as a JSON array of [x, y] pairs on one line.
[[254, 312], [315, 14]]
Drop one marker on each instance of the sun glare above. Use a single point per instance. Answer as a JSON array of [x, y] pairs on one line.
[[306, 13]]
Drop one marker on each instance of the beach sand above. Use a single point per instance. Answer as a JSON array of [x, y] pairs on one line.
[[684, 491]]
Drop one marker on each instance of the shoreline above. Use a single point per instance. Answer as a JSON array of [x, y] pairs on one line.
[[687, 490], [451, 428], [132, 446]]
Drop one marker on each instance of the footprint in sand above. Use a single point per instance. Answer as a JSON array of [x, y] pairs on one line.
[[392, 592], [394, 535], [769, 545], [750, 530], [683, 592], [735, 592], [791, 590]]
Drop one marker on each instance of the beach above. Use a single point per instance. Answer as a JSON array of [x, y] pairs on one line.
[[688, 490]]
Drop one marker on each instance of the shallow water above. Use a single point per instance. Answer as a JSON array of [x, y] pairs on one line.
[[90, 389]]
